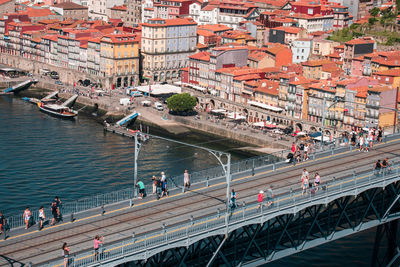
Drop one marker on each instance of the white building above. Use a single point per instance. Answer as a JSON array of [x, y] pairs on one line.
[[301, 49]]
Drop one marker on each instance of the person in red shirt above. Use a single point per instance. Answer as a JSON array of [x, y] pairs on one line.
[[293, 148], [260, 199], [96, 244]]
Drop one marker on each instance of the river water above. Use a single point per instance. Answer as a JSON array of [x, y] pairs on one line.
[[42, 156]]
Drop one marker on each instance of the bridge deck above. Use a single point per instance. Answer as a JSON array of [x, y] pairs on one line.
[[149, 214]]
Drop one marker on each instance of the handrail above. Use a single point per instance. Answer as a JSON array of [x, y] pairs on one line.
[[288, 202], [252, 165]]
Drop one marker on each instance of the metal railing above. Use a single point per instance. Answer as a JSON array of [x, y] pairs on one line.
[[287, 202], [248, 166]]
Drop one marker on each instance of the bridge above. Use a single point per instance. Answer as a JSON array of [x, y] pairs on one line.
[[194, 229]]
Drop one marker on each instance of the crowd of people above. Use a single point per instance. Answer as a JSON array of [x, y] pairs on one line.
[[364, 139]]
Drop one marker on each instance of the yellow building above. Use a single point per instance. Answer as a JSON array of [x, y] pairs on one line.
[[120, 59]]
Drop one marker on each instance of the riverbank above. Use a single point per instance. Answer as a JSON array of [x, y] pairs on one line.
[[108, 108]]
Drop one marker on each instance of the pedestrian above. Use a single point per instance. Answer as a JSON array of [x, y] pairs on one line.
[[65, 253], [233, 199], [154, 180], [298, 155], [27, 216], [317, 181], [2, 223], [164, 191], [260, 199], [378, 167], [186, 181], [98, 240], [293, 149], [306, 151], [140, 185], [42, 217], [270, 196], [367, 143], [54, 212], [361, 143], [380, 133], [305, 181]]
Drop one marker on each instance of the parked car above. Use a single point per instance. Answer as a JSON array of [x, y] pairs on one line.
[[158, 106], [59, 82]]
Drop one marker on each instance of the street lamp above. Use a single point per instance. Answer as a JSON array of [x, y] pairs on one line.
[[219, 155]]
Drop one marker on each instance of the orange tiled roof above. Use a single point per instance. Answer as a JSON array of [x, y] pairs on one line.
[[169, 22], [360, 41], [203, 56], [120, 8], [315, 63], [257, 55], [293, 30], [392, 73]]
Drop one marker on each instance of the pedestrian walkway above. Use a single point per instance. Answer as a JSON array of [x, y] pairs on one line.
[[120, 220]]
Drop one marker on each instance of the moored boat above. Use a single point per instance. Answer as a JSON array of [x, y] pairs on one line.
[[58, 110]]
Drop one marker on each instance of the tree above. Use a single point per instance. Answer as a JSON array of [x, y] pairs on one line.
[[374, 12], [181, 102]]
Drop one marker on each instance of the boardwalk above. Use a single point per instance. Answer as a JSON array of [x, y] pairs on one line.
[[119, 222]]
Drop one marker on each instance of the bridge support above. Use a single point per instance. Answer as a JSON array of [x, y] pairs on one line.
[[380, 257]]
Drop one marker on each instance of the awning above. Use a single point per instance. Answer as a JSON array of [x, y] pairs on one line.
[[301, 133], [315, 134], [265, 106], [220, 111], [199, 88], [236, 116], [264, 124], [247, 92], [326, 138], [213, 92]]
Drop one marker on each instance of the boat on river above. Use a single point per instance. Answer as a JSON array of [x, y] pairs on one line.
[[58, 110], [62, 110]]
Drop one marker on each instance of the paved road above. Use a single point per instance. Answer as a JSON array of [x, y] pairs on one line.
[[149, 214]]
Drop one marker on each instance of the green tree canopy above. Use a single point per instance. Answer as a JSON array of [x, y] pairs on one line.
[[374, 12], [181, 102]]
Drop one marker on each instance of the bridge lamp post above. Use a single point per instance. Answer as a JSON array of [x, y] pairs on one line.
[[219, 155]]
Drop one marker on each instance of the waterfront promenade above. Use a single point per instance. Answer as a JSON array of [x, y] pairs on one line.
[[120, 220]]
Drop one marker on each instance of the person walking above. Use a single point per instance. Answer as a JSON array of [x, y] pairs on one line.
[[164, 185], [270, 196], [378, 167], [159, 188], [380, 134], [2, 223], [27, 216], [361, 143], [304, 181], [317, 181], [42, 217], [233, 199], [65, 253], [140, 186], [260, 199], [54, 212], [306, 152], [154, 180], [186, 181], [98, 240]]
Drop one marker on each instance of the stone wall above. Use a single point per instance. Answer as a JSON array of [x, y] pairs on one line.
[[67, 76], [233, 135]]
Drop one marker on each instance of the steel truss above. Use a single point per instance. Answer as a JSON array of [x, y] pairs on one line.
[[287, 234]]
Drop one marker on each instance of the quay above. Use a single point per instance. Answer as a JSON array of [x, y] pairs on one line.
[[151, 232]]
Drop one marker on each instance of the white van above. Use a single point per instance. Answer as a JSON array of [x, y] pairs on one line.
[[158, 106]]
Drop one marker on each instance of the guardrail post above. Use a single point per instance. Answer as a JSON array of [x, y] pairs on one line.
[[133, 238], [244, 208], [252, 170], [102, 210], [191, 220], [313, 156], [332, 151], [72, 217], [163, 228], [273, 166], [218, 213], [207, 181], [130, 203]]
